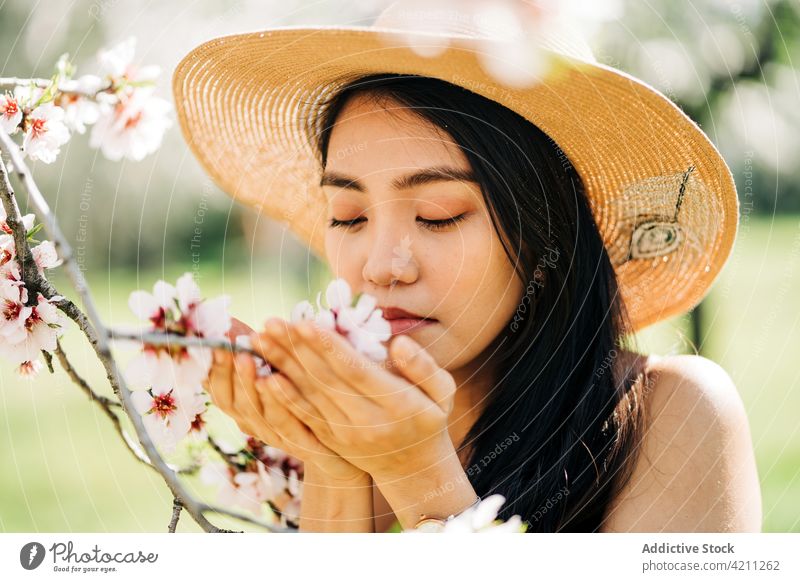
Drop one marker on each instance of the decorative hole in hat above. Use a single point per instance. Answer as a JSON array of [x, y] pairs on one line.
[[651, 235], [653, 238]]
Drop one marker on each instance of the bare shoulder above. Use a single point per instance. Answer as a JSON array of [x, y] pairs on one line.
[[696, 470]]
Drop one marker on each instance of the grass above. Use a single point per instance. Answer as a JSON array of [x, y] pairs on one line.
[[63, 468]]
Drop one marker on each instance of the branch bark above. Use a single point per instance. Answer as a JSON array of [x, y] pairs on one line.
[[176, 512]]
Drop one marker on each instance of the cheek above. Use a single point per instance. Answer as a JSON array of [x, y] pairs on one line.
[[479, 290], [342, 257]]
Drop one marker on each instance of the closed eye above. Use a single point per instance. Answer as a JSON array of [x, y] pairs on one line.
[[430, 224]]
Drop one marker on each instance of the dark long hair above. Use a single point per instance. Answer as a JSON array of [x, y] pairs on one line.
[[561, 425]]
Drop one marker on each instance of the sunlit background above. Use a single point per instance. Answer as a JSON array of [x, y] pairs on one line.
[[728, 64]]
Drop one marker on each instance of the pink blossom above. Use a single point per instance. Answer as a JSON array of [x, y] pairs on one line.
[[43, 324], [197, 430], [246, 489], [13, 295], [178, 310], [45, 256], [362, 324], [133, 127], [155, 367], [30, 369], [79, 112], [46, 133], [116, 62], [10, 114], [8, 248], [168, 414]]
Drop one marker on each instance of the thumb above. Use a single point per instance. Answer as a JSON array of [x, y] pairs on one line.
[[414, 363]]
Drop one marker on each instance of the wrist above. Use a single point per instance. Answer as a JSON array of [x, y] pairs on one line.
[[316, 475], [436, 452], [439, 490], [334, 504]]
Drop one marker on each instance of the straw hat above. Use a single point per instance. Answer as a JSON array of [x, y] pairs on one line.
[[662, 196]]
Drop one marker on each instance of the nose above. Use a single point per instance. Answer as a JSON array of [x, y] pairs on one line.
[[391, 257]]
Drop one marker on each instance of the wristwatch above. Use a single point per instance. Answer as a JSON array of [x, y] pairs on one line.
[[428, 524]]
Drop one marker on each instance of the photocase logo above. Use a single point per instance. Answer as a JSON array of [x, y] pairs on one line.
[[31, 555]]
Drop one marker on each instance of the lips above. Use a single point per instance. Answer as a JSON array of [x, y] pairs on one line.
[[402, 321]]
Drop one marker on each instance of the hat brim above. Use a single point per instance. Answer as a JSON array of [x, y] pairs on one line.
[[244, 103]]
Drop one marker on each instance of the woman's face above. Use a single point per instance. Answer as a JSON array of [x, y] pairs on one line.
[[456, 273]]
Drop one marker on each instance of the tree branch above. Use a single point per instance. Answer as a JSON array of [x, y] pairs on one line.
[[176, 512], [167, 339], [105, 404], [94, 331], [70, 87]]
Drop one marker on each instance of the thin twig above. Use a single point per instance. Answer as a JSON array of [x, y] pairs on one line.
[[48, 357], [229, 458], [70, 87], [176, 512], [171, 339], [248, 519], [106, 404]]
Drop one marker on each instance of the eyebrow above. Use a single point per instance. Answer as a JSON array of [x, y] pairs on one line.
[[418, 178]]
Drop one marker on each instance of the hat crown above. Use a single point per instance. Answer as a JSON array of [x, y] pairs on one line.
[[499, 20]]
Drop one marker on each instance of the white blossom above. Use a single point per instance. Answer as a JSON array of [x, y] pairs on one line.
[[42, 325], [46, 133], [168, 414], [15, 313], [176, 310], [482, 518], [133, 127], [10, 114], [117, 62], [362, 324], [45, 256], [79, 112], [245, 489], [30, 369]]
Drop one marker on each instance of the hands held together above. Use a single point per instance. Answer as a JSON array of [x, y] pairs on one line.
[[331, 406]]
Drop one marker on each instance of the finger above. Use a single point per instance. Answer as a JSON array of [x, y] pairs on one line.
[[246, 401], [281, 420], [331, 394], [285, 393], [267, 432], [418, 367], [295, 369], [219, 383], [275, 354], [355, 368]]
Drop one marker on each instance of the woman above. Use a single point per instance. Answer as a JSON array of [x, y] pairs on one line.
[[521, 378]]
